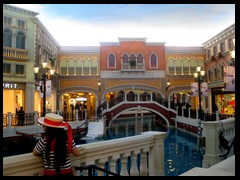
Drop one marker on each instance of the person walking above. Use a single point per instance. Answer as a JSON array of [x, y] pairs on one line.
[[21, 116], [56, 146]]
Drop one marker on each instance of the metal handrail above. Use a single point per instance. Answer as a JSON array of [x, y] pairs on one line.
[[92, 168]]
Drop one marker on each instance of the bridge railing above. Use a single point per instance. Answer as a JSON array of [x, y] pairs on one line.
[[11, 119], [149, 147]]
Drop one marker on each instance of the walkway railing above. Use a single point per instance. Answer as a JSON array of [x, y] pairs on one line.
[[149, 147], [181, 109], [211, 132], [11, 119]]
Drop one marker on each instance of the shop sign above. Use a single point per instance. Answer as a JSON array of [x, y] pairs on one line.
[[10, 85]]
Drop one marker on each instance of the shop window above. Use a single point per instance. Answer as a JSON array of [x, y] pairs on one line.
[[225, 103]]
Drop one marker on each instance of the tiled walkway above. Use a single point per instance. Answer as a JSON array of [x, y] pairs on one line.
[[224, 168]]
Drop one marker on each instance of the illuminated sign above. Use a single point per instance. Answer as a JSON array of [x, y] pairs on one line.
[[9, 85], [81, 99]]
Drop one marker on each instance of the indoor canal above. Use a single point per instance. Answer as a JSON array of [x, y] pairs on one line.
[[181, 151]]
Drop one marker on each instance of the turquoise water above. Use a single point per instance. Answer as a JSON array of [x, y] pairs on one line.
[[181, 152]]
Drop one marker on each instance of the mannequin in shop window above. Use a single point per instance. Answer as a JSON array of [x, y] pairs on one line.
[[21, 116]]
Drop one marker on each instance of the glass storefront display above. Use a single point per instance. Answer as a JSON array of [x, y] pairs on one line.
[[225, 103]]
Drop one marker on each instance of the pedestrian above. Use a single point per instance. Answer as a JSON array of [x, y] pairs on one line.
[[56, 146], [21, 116], [215, 108]]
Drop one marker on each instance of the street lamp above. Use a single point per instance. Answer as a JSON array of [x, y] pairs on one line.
[[199, 75], [99, 85], [44, 77], [168, 84]]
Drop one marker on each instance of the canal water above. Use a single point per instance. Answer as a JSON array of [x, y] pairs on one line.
[[181, 152]]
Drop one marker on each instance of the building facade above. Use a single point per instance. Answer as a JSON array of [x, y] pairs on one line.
[[26, 44], [89, 76], [220, 70]]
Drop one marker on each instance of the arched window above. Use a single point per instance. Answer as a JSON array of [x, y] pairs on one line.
[[153, 61], [94, 66], [171, 66], [222, 72], [139, 59], [216, 73], [186, 66], [7, 38], [229, 44], [222, 47], [63, 66], [132, 60], [209, 75], [111, 61], [71, 66], [125, 58], [215, 50], [20, 40], [208, 54], [178, 65]]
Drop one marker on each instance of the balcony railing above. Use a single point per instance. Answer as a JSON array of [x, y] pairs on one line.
[[9, 52]]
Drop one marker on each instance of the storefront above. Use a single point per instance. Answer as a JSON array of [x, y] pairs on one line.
[[13, 96], [225, 100], [50, 100]]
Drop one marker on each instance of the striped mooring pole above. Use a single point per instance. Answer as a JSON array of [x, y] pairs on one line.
[[199, 133]]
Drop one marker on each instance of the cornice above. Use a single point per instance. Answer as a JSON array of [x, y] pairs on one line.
[[19, 10], [228, 32]]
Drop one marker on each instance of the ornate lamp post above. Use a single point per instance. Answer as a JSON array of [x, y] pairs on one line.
[[99, 85], [199, 75], [168, 84], [44, 77]]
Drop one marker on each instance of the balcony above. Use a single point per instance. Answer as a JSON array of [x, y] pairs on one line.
[[15, 53], [132, 67]]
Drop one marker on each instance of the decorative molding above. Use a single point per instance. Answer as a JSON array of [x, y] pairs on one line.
[[132, 74], [228, 32], [19, 10]]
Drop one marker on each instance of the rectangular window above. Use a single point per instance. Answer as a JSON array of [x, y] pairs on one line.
[[21, 24], [6, 69], [7, 20], [20, 70]]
